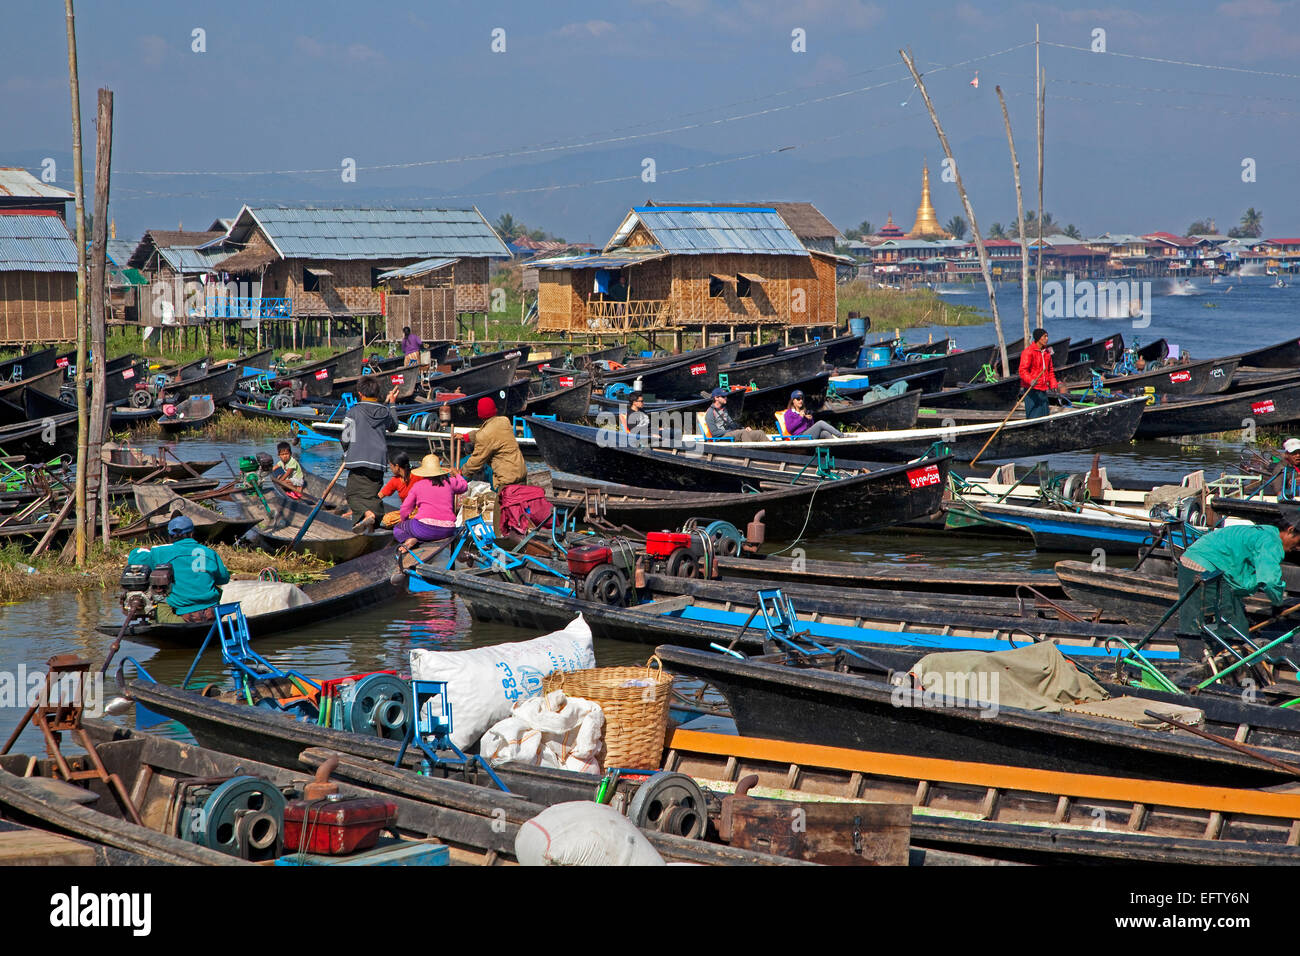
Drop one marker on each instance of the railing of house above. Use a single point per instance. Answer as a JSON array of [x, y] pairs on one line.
[[633, 314], [246, 307]]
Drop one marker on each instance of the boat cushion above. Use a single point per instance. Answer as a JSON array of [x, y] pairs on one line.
[[263, 597], [1033, 677], [1133, 710]]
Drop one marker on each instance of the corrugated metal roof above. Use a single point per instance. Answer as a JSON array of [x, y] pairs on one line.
[[362, 233], [119, 251], [417, 269], [596, 262], [693, 230], [36, 243], [18, 183], [187, 259]]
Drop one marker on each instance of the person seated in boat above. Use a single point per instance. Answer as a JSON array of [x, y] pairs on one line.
[[429, 508], [411, 345], [399, 466], [1250, 558], [197, 574], [495, 447], [1037, 376], [799, 421], [1288, 484], [722, 425], [288, 474], [635, 420]]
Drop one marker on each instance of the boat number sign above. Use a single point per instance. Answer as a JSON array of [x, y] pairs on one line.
[[699, 369], [1180, 376], [1110, 344], [322, 374], [566, 381], [128, 373], [61, 363], [923, 477], [1262, 408], [397, 379]]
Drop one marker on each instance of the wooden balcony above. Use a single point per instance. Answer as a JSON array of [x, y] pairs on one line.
[[631, 316]]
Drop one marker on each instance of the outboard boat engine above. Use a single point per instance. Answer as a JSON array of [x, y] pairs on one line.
[[144, 588]]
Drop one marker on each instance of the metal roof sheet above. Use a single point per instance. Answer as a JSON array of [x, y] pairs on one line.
[[18, 183], [696, 230], [364, 233], [185, 259], [36, 243], [418, 269], [613, 261]]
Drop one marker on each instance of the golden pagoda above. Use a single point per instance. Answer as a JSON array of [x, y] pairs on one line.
[[927, 223]]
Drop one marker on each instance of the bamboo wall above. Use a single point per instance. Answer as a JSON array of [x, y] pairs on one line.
[[38, 307]]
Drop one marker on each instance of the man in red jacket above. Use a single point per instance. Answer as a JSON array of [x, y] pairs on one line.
[[1037, 375]]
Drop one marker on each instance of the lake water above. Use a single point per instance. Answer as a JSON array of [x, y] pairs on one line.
[[1248, 315]]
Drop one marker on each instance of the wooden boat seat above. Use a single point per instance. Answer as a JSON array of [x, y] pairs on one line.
[[64, 790]]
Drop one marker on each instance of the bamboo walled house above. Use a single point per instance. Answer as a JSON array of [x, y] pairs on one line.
[[674, 267], [38, 262]]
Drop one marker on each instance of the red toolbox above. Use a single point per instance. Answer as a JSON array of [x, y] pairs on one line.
[[660, 544], [336, 827]]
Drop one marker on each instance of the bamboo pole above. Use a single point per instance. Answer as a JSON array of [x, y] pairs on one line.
[[970, 211], [98, 288], [80, 356], [1039, 82], [1020, 215]]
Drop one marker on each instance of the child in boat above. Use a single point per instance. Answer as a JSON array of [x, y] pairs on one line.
[[288, 474], [399, 465], [429, 511]]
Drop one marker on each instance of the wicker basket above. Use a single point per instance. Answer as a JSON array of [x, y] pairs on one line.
[[636, 716]]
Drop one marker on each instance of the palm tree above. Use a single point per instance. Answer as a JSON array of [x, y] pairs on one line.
[[957, 226], [1031, 223], [1199, 228], [1073, 231], [996, 231], [506, 226], [1252, 222]]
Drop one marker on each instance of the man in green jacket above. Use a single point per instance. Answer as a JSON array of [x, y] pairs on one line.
[[197, 574], [1250, 557]]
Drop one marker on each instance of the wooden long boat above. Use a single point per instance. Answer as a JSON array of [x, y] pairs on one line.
[[347, 587], [882, 414], [43, 438], [194, 412], [228, 517], [519, 352], [314, 413], [843, 349], [477, 377], [1056, 529], [748, 352], [760, 404], [1012, 813], [46, 383], [1206, 377], [120, 383], [838, 700], [219, 385], [1284, 355], [781, 369], [1001, 394], [1219, 413], [675, 377], [568, 403], [861, 503], [617, 406], [956, 366], [477, 824], [847, 383], [685, 611], [586, 360], [509, 399], [131, 463], [1252, 381], [22, 367], [330, 536]]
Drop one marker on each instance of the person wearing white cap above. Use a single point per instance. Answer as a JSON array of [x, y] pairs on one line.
[[1289, 489]]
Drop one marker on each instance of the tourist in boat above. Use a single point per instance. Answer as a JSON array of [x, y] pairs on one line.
[[721, 425], [365, 445], [1037, 376], [197, 574], [1250, 557], [399, 467], [288, 474], [411, 346], [429, 509], [798, 420], [635, 421]]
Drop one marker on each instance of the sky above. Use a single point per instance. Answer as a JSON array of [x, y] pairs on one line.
[[565, 114]]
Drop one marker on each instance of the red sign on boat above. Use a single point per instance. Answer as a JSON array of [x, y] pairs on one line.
[[566, 381], [699, 369], [923, 477], [1110, 344], [1180, 376], [397, 379], [61, 363], [1262, 408], [128, 373], [322, 374]]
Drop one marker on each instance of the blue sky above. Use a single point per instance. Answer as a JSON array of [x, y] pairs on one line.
[[556, 128]]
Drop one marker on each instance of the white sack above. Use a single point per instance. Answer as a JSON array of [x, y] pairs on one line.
[[582, 833], [484, 683], [550, 730], [263, 597]]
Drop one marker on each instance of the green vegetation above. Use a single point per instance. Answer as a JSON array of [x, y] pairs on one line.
[[903, 310]]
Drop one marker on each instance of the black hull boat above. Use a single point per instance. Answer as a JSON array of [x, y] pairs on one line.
[[195, 412], [1220, 413], [219, 386], [568, 403], [781, 369], [860, 503], [1001, 394], [47, 383], [678, 377], [884, 414], [28, 366], [1207, 377], [843, 350], [1284, 355], [891, 575], [510, 401]]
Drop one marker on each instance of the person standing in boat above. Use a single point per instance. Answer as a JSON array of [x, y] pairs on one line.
[[1250, 558], [722, 425], [429, 509], [411, 345], [1037, 376], [799, 421], [365, 446], [197, 574]]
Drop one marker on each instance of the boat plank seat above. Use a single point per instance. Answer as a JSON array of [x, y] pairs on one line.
[[668, 605], [64, 790], [22, 846]]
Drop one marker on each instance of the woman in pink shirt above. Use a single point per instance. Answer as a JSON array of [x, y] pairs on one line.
[[429, 509]]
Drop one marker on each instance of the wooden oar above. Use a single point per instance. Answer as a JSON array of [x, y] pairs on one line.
[[1005, 420], [1276, 617], [314, 511]]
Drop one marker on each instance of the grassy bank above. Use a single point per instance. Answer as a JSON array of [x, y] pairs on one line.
[[22, 577], [226, 426], [891, 310]]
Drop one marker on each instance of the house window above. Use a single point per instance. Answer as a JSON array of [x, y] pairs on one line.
[[743, 287], [716, 287], [310, 282], [374, 276]]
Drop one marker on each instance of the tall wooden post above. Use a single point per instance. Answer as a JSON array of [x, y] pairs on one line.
[[970, 212], [1020, 216], [98, 288], [1040, 81], [80, 354]]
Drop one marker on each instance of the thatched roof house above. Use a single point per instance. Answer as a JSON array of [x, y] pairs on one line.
[[680, 266]]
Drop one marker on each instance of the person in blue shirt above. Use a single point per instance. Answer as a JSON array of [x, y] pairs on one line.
[[197, 574]]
